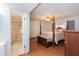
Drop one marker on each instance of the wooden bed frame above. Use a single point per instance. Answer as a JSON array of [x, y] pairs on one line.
[[44, 42]]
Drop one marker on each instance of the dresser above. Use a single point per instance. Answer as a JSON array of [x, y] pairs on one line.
[[71, 42]]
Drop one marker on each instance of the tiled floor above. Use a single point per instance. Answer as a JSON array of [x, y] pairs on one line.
[[17, 48], [40, 50]]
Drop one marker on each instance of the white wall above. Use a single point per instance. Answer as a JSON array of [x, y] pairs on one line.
[[5, 26], [35, 27], [63, 21]]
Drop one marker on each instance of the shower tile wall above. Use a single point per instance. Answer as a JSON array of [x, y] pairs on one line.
[[16, 28]]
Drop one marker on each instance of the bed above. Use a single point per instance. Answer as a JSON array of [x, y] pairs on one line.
[[46, 38]]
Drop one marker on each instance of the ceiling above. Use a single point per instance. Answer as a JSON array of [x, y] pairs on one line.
[[20, 8], [59, 10]]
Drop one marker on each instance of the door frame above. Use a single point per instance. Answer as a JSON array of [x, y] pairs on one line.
[[25, 29]]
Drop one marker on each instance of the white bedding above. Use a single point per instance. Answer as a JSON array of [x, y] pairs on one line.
[[59, 35]]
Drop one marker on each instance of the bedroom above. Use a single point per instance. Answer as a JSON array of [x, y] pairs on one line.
[[42, 27], [40, 23]]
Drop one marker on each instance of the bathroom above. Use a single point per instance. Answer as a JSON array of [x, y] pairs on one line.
[[16, 35]]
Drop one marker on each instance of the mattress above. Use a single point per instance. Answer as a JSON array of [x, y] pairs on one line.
[[59, 35]]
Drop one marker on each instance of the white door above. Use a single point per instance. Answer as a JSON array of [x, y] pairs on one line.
[[26, 44]]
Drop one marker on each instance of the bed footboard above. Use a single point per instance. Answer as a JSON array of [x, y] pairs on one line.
[[43, 41]]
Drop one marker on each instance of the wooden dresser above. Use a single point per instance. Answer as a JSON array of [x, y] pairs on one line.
[[71, 42]]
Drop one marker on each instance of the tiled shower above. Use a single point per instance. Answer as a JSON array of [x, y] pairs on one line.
[[16, 35]]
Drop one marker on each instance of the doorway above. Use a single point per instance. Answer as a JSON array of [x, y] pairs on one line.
[[70, 24], [16, 35]]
